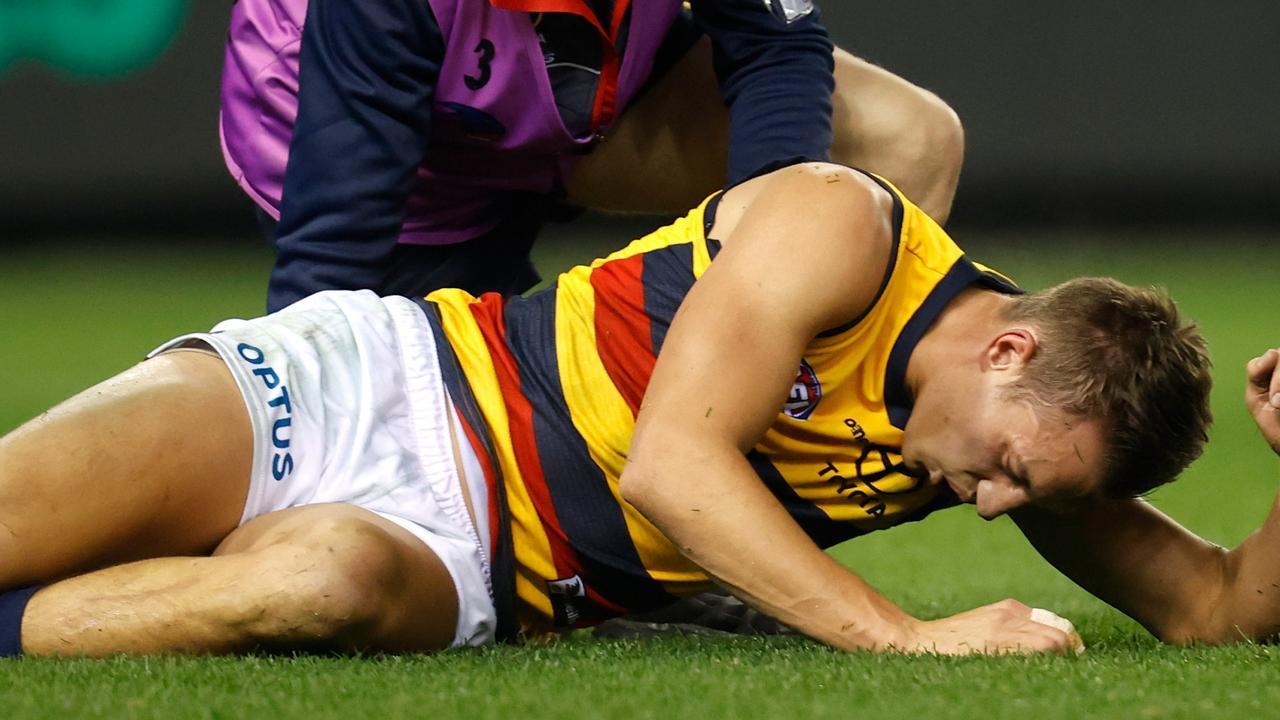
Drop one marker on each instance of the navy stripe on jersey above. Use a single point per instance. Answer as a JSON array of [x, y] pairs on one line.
[[667, 275], [815, 523], [503, 567], [897, 397], [588, 513], [709, 213], [893, 257], [999, 283]]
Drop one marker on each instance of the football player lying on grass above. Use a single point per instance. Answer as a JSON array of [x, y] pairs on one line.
[[400, 475]]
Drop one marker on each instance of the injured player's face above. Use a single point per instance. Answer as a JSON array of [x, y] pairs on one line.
[[1005, 452]]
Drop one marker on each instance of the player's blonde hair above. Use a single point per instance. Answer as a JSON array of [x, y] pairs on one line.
[[1124, 355]]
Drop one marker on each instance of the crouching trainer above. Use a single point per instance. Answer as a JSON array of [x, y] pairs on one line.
[[800, 360]]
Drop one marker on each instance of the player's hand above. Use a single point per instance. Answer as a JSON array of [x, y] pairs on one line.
[[999, 628], [1262, 395]]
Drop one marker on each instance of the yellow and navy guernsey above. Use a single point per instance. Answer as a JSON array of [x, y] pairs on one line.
[[549, 385]]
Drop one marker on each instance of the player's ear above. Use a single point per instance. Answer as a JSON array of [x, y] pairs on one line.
[[1012, 349]]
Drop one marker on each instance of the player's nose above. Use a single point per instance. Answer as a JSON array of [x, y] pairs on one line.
[[997, 497]]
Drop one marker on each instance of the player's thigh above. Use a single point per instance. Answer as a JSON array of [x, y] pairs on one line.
[[371, 583], [154, 461]]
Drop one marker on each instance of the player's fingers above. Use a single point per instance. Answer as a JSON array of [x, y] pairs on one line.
[[1026, 630], [1046, 617], [1262, 395], [1031, 639], [1264, 377], [1051, 639], [1273, 390]]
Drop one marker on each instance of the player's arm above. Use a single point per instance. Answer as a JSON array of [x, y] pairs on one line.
[[367, 75], [1180, 587], [775, 77], [808, 252]]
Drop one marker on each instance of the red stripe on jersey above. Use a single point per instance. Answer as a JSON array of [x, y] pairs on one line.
[[623, 333], [490, 479], [488, 315]]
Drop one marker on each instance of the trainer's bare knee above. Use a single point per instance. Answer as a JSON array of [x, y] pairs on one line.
[[896, 129], [335, 584], [931, 151]]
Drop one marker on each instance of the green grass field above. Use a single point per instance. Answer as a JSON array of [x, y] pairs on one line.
[[72, 316]]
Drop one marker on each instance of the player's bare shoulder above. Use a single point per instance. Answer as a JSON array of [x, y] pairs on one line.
[[821, 233], [804, 189]]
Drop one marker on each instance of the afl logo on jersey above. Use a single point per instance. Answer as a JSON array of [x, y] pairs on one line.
[[806, 391]]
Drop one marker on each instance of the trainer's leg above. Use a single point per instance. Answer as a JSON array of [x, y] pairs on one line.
[[154, 461], [322, 577], [898, 130], [669, 150]]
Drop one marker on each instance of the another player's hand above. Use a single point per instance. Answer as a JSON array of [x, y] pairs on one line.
[[1262, 395], [999, 628]]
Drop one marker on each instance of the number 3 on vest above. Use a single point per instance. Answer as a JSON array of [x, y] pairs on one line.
[[486, 50]]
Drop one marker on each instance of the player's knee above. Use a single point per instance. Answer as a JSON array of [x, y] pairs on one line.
[[938, 137], [904, 132], [338, 584]]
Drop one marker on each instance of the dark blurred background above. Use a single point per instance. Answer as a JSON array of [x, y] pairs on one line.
[[1077, 113]]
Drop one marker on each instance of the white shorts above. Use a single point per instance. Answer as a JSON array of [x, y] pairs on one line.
[[348, 406]]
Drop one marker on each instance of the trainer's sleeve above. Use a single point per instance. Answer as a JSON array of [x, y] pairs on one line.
[[368, 70], [773, 59]]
